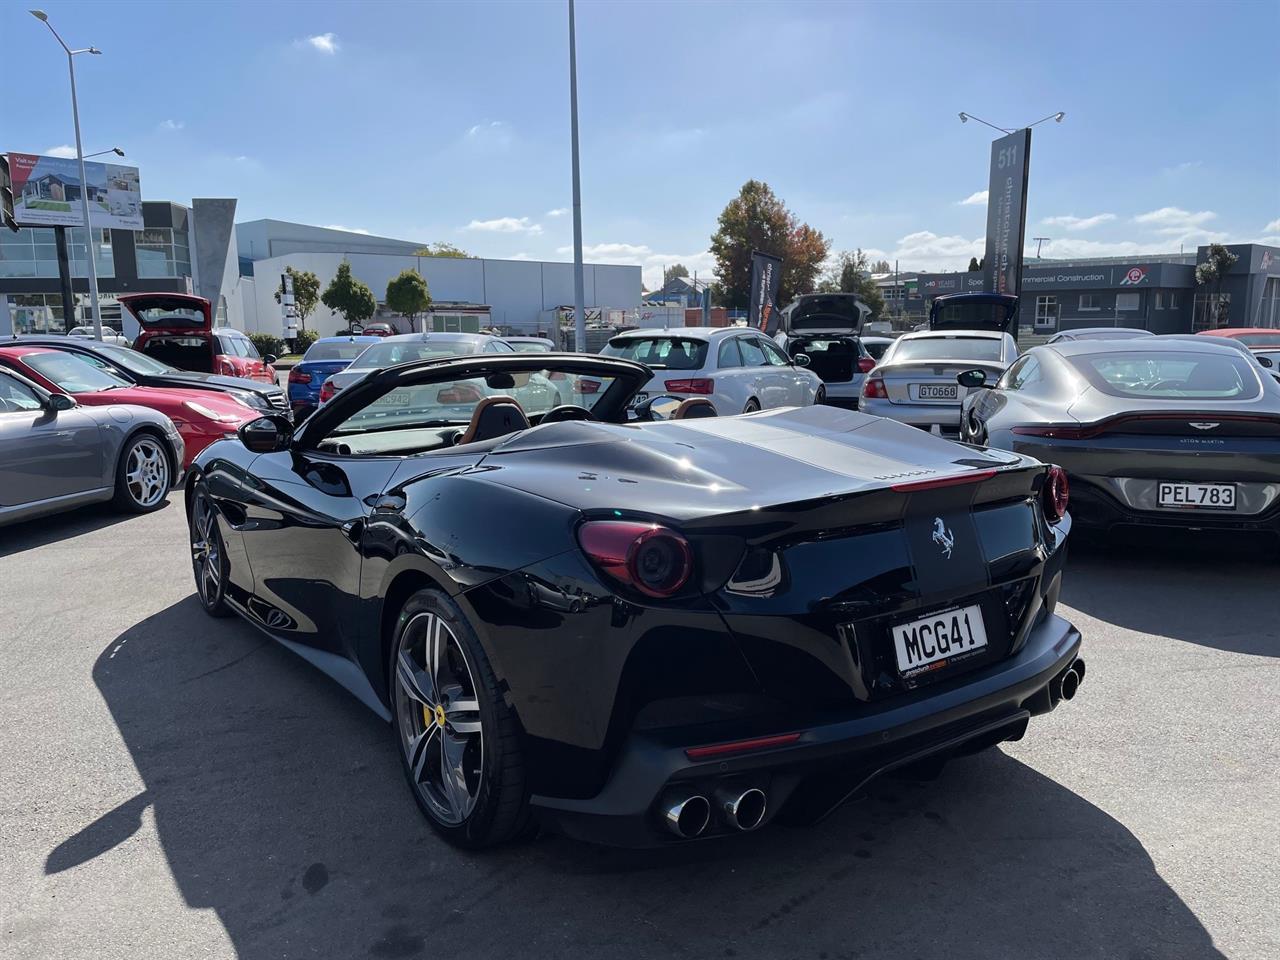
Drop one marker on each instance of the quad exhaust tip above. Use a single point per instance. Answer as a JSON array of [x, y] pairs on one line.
[[742, 809], [687, 816]]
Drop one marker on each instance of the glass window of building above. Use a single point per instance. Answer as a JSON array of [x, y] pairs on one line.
[[1159, 299], [33, 252], [1127, 301], [1046, 311], [1089, 301], [163, 252], [1173, 300]]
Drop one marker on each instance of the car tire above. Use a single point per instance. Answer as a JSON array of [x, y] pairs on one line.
[[144, 474], [820, 397], [209, 562], [753, 406], [459, 742]]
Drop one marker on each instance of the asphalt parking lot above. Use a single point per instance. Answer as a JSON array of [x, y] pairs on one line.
[[175, 786]]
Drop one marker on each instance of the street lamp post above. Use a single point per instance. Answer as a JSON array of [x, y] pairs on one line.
[[579, 298], [84, 184]]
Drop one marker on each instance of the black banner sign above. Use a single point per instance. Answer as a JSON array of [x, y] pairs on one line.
[[766, 275], [1007, 212]]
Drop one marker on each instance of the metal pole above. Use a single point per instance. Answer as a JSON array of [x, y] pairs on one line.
[[64, 280], [90, 253], [579, 299]]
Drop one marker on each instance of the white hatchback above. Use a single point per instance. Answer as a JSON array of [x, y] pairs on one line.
[[737, 368]]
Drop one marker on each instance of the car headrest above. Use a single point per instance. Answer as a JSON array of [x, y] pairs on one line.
[[694, 408], [494, 417]]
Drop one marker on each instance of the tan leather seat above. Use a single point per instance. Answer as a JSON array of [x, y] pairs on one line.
[[494, 417], [694, 408]]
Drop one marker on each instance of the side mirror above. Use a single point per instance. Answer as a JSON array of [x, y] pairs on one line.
[[269, 359], [661, 407], [270, 434], [973, 379], [1266, 362], [60, 401], [801, 360]]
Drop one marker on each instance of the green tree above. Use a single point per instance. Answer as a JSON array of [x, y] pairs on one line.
[[442, 248], [851, 273], [974, 267], [675, 270], [348, 296], [881, 266], [1211, 273], [408, 296], [306, 293], [757, 220]]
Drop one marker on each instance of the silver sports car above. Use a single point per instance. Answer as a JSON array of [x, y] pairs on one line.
[[1159, 431], [915, 381], [56, 454]]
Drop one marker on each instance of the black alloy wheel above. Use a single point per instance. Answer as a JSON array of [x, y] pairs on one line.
[[820, 397], [459, 741], [208, 558]]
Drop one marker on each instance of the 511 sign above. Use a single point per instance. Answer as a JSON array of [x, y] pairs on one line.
[[1006, 213]]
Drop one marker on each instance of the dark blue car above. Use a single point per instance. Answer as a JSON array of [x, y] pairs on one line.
[[322, 360]]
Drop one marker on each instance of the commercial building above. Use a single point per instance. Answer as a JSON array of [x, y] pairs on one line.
[[1157, 293], [181, 249], [515, 296]]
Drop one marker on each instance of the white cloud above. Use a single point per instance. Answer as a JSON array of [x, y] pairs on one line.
[[324, 42], [338, 226], [1174, 219], [172, 124], [563, 211], [492, 135], [974, 199], [925, 250], [505, 225], [1273, 226], [65, 151], [1076, 224], [651, 262]]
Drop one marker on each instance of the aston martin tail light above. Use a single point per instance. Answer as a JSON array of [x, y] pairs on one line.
[[1054, 431], [873, 387], [699, 385], [866, 364], [654, 560], [1055, 494]]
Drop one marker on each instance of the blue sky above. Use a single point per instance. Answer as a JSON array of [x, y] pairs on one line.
[[443, 121]]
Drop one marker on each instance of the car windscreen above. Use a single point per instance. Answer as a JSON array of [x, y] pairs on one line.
[[877, 347], [661, 353], [386, 354], [1170, 376], [977, 315], [947, 348], [529, 346], [334, 350], [452, 402], [1259, 339], [135, 362], [180, 319], [71, 374], [1115, 335]]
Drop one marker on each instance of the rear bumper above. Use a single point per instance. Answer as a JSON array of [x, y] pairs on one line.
[[925, 416], [829, 761], [1094, 507]]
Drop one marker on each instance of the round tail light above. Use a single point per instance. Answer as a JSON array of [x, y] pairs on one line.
[[654, 560], [1056, 493]]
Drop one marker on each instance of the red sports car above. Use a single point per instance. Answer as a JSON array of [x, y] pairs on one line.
[[1255, 338], [201, 416]]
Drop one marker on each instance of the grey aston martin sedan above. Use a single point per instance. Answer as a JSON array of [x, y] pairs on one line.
[[1162, 432], [56, 454]]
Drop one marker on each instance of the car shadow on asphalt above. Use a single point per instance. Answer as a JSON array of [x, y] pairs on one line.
[[279, 803], [1212, 589], [63, 526]]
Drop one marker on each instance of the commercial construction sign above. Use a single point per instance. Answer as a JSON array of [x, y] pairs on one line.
[[47, 192], [1007, 212]]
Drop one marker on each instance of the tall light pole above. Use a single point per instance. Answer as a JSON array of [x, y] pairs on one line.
[[90, 253], [579, 304]]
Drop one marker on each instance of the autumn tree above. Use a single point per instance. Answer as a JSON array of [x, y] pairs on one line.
[[757, 220]]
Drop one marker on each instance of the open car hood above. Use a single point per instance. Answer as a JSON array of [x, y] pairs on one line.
[[975, 311], [169, 311], [819, 313]]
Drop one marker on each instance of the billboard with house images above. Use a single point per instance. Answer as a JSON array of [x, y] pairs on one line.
[[47, 192]]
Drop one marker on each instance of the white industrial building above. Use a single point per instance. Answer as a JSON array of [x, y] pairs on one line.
[[522, 296]]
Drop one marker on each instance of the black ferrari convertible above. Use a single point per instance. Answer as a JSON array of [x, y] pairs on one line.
[[642, 623]]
